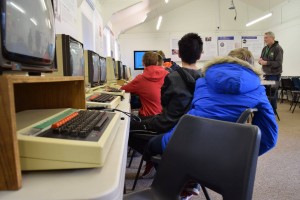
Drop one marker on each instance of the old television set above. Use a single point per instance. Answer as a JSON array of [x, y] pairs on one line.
[[125, 72], [138, 59], [69, 56], [102, 70], [120, 70], [92, 68], [27, 36], [115, 68]]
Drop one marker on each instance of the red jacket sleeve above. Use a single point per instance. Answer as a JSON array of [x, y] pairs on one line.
[[132, 86]]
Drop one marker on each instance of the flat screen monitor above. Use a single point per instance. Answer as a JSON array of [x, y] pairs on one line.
[[102, 70], [138, 59], [27, 36]]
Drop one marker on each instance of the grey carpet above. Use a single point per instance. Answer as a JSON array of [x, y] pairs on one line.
[[278, 171]]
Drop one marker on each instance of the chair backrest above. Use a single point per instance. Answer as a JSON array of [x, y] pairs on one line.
[[287, 84], [245, 115], [296, 82], [219, 155]]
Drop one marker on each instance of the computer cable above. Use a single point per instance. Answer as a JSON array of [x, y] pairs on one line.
[[134, 117]]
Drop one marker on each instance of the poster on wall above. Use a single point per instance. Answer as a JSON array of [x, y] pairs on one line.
[[98, 33], [254, 44], [225, 45], [210, 48], [174, 49]]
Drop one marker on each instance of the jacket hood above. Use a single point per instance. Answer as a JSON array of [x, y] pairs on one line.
[[154, 73], [229, 75]]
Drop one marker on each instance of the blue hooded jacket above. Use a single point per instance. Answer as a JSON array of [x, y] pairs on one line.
[[229, 87]]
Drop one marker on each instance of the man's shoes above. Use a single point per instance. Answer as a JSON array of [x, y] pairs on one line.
[[190, 189], [149, 171], [185, 196]]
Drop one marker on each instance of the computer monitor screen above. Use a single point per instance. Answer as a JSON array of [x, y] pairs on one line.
[[96, 68], [115, 68], [27, 35], [76, 59], [125, 72], [120, 70], [102, 70], [138, 59]]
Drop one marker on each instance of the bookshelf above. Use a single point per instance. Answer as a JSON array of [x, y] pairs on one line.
[[19, 93]]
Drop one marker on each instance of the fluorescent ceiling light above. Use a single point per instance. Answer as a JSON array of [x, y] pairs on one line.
[[43, 5], [166, 1], [33, 21], [17, 7], [259, 19], [158, 22]]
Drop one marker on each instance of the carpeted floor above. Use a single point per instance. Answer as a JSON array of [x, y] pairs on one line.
[[278, 171]]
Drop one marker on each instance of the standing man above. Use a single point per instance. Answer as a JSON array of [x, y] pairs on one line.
[[271, 61]]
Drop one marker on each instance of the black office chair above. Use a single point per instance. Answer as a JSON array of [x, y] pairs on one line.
[[244, 117], [221, 156], [287, 86], [142, 135], [295, 100], [296, 83]]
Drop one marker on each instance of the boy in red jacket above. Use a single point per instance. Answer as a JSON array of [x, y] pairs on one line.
[[148, 85]]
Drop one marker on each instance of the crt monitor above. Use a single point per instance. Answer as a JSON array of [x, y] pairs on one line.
[[102, 70], [76, 59], [69, 56], [120, 70], [27, 36], [138, 59], [110, 70], [115, 68], [92, 68], [124, 72]]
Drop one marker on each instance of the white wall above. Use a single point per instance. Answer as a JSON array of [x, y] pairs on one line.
[[287, 32], [204, 17], [82, 23]]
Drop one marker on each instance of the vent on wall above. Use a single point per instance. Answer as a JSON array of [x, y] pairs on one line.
[[91, 4]]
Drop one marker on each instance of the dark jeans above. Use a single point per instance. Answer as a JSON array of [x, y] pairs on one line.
[[273, 101], [138, 143], [154, 147], [135, 102]]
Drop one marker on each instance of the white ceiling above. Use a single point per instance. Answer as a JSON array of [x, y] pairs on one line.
[[125, 14], [263, 5]]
